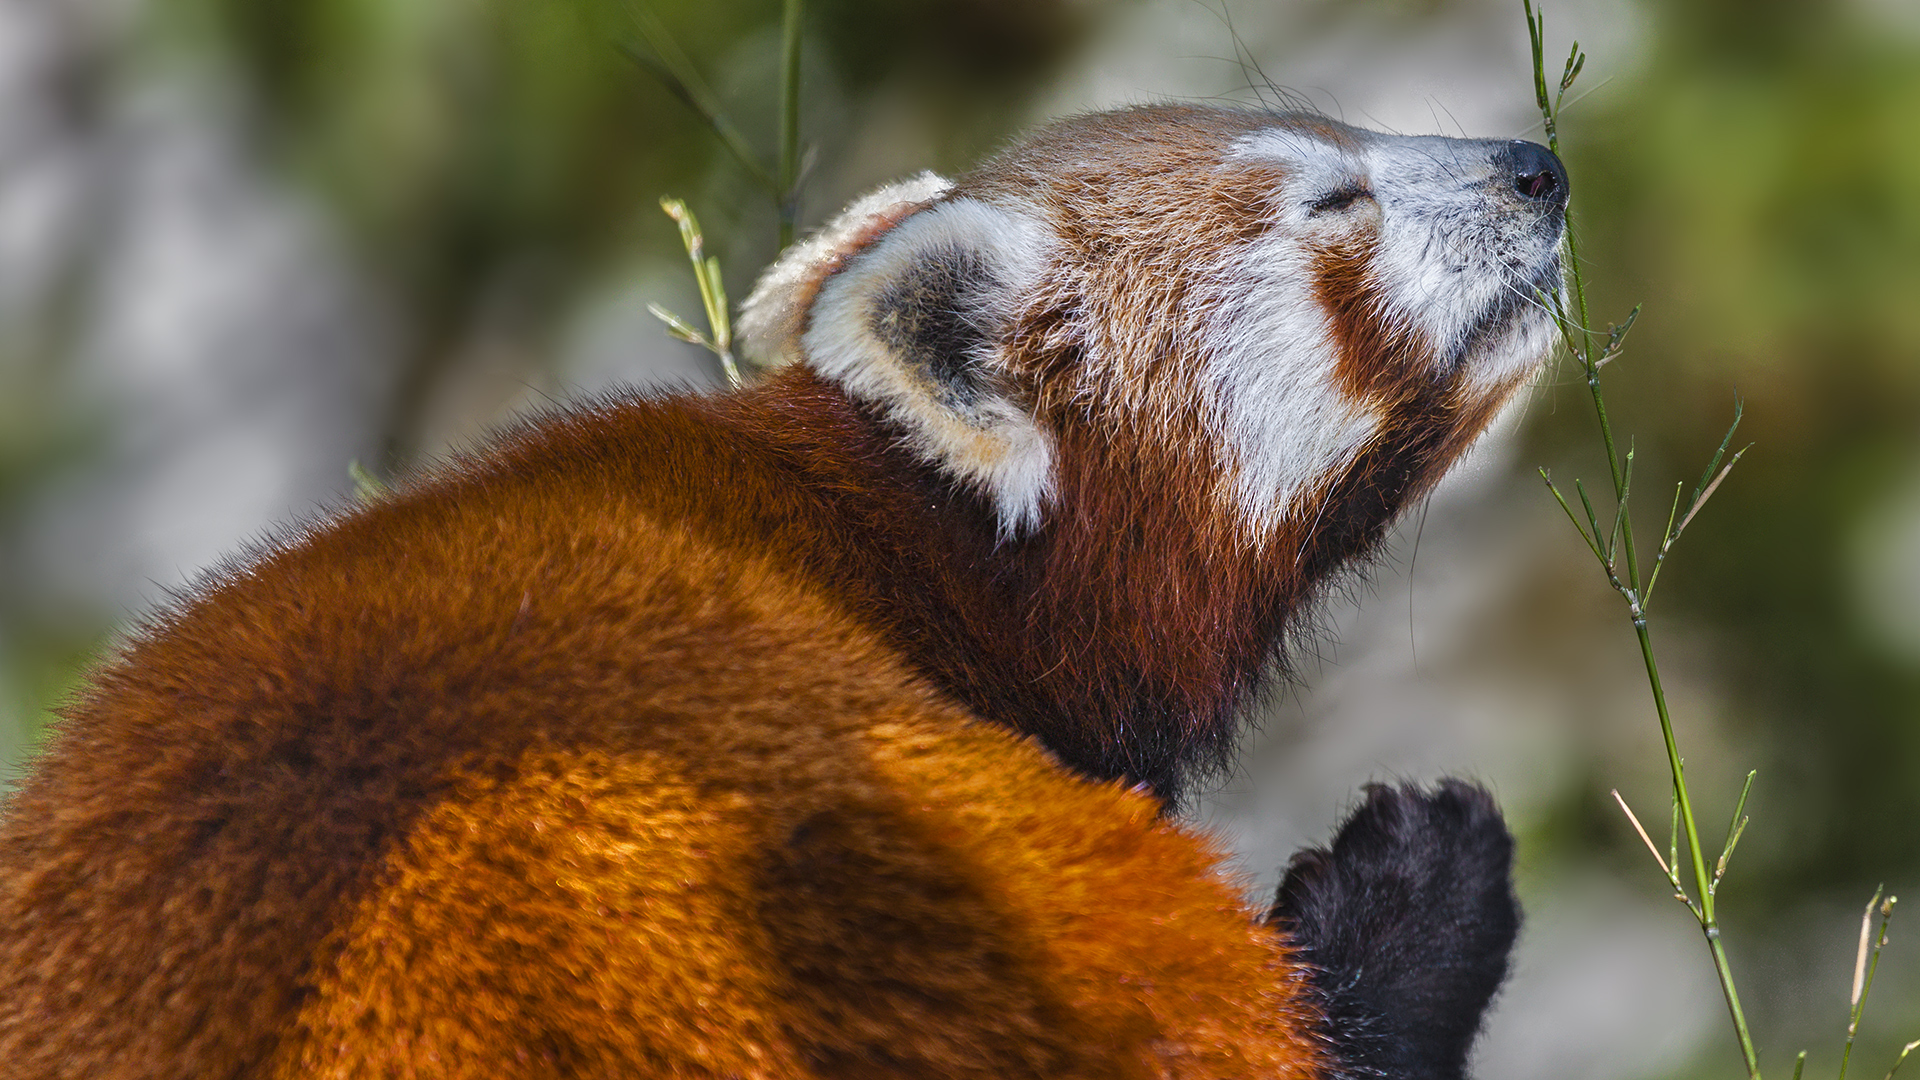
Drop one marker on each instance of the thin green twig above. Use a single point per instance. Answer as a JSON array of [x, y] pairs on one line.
[[1866, 962], [1574, 521], [676, 71], [1624, 574], [669, 63], [789, 178], [367, 488], [713, 295], [1904, 1051], [1735, 826]]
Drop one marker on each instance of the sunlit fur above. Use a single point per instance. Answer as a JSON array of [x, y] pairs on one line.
[[828, 727]]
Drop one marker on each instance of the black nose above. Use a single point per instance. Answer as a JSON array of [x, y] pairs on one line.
[[1537, 173]]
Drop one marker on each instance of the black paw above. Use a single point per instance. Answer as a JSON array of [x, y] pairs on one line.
[[1408, 922]]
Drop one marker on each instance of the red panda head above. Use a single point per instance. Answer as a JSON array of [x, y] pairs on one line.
[[1193, 360], [1260, 296]]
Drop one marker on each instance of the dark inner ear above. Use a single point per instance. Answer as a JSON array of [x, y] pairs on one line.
[[934, 318]]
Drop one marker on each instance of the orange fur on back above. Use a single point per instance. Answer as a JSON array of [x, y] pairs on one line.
[[528, 771]]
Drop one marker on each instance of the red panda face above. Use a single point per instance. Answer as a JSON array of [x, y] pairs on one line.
[[1394, 271], [1260, 311]]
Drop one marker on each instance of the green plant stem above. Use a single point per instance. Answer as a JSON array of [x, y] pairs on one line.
[[670, 64], [1871, 942], [789, 178], [1630, 588], [1709, 922]]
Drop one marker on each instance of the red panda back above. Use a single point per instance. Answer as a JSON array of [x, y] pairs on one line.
[[525, 761], [600, 916]]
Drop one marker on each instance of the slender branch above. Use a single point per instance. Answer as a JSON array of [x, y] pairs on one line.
[[1864, 968], [1622, 495], [676, 72], [1904, 1051], [1673, 830], [1574, 521], [1735, 826], [713, 295], [789, 178], [1593, 520], [1645, 839], [1666, 544], [1579, 338]]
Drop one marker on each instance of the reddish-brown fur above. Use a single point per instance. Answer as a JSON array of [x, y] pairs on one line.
[[1156, 618], [703, 737], [357, 803]]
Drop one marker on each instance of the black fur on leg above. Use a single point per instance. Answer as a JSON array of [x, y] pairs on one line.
[[1408, 920]]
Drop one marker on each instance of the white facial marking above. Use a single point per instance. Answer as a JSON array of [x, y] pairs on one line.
[[1271, 353], [989, 440], [1455, 260], [1286, 423], [1450, 254]]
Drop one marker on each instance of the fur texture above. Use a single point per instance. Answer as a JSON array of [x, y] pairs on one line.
[[1407, 920], [583, 752], [826, 728]]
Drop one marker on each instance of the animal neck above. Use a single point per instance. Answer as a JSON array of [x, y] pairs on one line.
[[1120, 635]]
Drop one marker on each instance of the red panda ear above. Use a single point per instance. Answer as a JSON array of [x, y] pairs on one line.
[[775, 312], [916, 322]]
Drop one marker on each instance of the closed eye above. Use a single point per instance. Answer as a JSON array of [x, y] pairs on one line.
[[1340, 199]]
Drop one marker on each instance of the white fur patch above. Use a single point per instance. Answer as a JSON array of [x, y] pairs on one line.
[[993, 442], [1285, 423], [1517, 354], [1451, 252], [1448, 251], [771, 318], [1309, 157]]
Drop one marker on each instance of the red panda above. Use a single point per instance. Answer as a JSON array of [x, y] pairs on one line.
[[829, 727]]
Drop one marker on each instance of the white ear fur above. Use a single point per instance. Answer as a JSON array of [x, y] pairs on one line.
[[914, 324], [771, 319]]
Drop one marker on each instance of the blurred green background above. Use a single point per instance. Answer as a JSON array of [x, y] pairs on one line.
[[244, 244]]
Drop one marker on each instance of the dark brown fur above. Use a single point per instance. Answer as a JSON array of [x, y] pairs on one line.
[[723, 736]]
